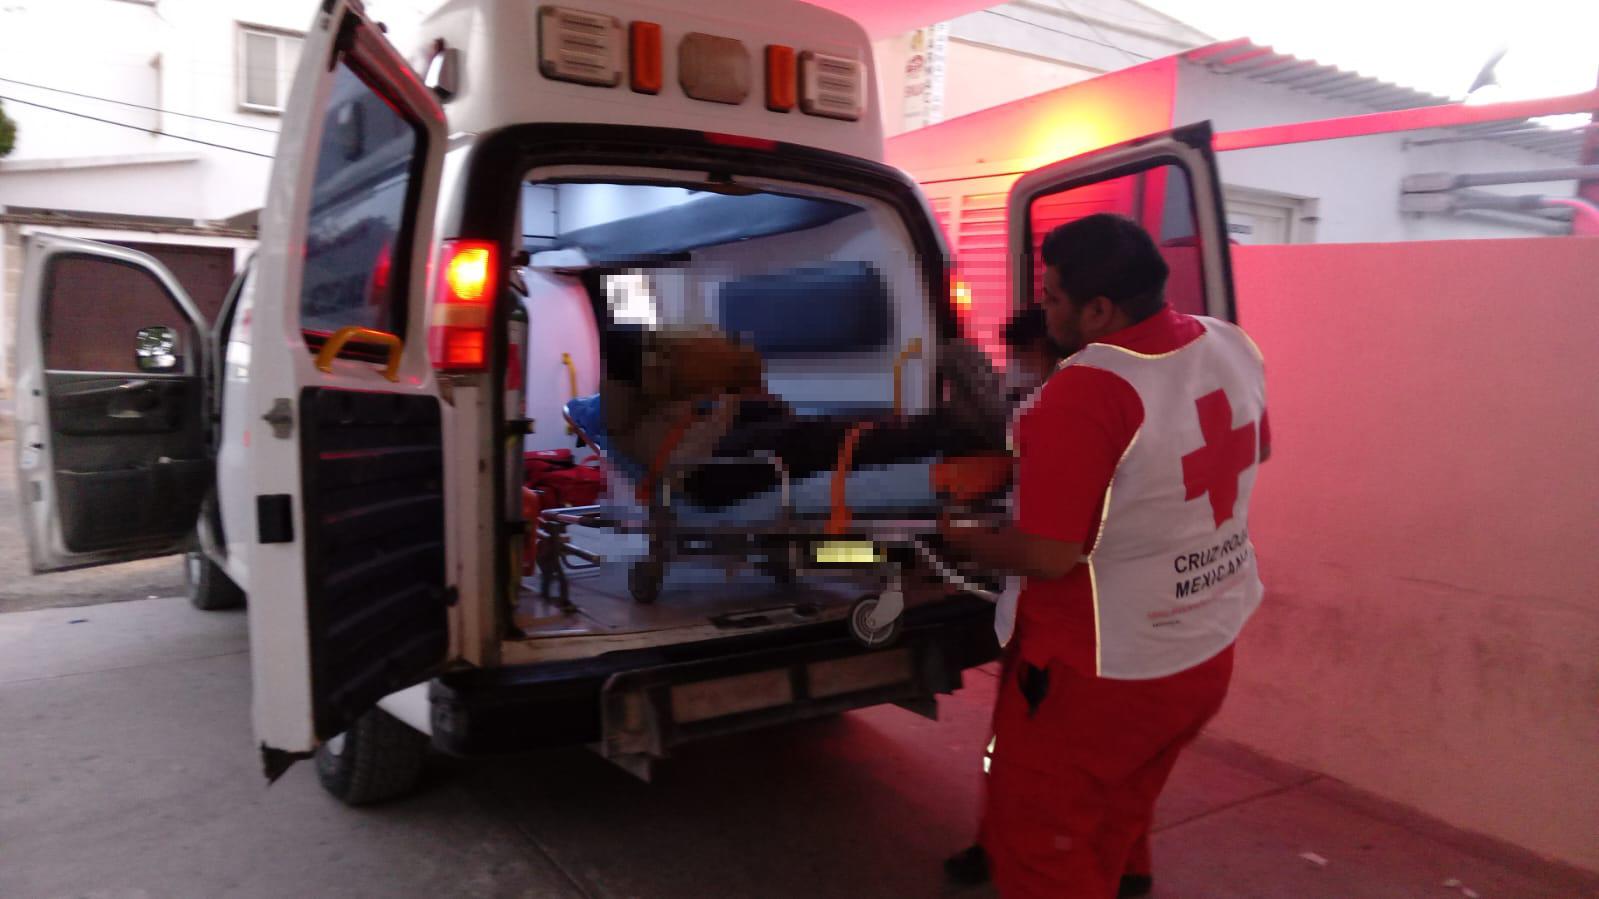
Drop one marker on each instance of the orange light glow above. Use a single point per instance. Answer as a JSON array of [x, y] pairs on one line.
[[468, 272], [960, 294]]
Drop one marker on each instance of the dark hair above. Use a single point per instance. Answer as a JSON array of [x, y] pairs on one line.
[[1109, 256], [1026, 329]]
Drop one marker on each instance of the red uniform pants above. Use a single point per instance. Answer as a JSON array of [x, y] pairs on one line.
[[1076, 770]]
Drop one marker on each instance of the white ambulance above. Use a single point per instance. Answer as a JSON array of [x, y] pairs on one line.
[[341, 432]]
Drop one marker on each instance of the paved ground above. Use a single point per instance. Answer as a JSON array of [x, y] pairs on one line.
[[126, 770], [20, 590]]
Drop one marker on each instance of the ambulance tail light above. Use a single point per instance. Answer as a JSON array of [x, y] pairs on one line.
[[458, 335]]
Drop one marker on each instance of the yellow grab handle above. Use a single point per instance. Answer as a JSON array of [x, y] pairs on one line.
[[913, 350], [571, 380], [330, 350]]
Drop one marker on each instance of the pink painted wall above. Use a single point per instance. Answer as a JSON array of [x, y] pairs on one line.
[[1429, 529]]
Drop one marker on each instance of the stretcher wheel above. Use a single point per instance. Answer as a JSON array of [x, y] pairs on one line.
[[644, 580], [860, 624]]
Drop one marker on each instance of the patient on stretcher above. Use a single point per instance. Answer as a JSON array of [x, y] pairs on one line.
[[670, 400]]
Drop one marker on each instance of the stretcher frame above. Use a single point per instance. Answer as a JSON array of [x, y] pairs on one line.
[[784, 547]]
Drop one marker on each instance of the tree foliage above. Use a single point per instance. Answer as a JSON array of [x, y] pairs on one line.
[[8, 132]]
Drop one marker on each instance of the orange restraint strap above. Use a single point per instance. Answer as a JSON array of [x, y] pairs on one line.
[[664, 455], [839, 520]]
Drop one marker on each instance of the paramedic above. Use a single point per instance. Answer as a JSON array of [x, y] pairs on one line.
[[1119, 657], [1033, 355]]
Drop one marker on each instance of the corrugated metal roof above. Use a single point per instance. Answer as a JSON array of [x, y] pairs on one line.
[[1259, 63]]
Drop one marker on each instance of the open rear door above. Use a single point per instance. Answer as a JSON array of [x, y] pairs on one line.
[[1166, 182], [347, 573], [112, 461]]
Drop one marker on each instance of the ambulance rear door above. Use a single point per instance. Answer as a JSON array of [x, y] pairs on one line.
[[349, 587], [1166, 182]]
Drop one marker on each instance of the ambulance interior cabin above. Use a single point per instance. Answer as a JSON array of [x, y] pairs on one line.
[[825, 287]]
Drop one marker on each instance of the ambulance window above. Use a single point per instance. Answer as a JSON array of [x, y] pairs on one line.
[[94, 309], [363, 201], [1160, 199]]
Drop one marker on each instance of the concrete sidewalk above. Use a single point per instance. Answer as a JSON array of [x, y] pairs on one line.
[[126, 769]]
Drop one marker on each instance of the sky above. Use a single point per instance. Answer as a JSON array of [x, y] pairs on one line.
[[1432, 45]]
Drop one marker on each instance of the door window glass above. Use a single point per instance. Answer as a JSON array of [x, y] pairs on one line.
[[357, 251], [1159, 198], [94, 310]]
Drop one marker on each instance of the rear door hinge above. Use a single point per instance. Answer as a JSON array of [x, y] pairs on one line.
[[281, 418]]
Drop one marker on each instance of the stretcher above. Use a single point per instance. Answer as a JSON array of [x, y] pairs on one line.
[[878, 521]]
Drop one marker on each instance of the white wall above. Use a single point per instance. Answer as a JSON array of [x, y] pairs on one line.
[[1356, 182], [1019, 49], [178, 55]]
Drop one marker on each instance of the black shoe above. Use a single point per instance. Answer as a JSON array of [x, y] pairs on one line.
[[968, 867], [1135, 885]]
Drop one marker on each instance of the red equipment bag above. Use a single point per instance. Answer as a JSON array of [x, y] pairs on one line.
[[562, 480]]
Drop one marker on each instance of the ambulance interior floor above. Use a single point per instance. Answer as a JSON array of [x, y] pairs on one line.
[[130, 771], [696, 590]]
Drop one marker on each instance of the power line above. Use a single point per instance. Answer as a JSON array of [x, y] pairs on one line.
[[186, 115], [1092, 27], [192, 140], [1089, 40]]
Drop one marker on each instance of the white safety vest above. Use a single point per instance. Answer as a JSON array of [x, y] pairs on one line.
[[1173, 571]]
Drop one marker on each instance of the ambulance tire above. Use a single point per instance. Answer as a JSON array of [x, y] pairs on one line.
[[378, 758], [210, 589]]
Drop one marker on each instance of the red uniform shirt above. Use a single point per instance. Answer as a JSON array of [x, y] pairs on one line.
[[1068, 444]]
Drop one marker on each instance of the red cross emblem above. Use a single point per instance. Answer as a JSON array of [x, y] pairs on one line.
[[1228, 452]]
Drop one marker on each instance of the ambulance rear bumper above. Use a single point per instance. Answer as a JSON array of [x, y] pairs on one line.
[[637, 705]]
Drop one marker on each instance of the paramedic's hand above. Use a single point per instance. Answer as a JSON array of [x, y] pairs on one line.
[[1009, 551], [955, 535]]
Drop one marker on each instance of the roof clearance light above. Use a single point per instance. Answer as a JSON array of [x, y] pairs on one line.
[[714, 69], [831, 86], [581, 47], [645, 41], [782, 78]]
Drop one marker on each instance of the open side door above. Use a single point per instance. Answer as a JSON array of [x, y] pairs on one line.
[[112, 462], [343, 423], [1166, 182]]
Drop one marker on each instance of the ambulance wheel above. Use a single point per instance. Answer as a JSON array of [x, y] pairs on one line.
[[644, 580], [860, 624], [209, 588], [378, 758]]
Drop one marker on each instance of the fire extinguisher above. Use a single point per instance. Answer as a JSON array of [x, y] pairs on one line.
[[517, 425]]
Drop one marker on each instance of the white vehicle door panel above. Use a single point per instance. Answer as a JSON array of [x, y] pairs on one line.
[[344, 458], [112, 462]]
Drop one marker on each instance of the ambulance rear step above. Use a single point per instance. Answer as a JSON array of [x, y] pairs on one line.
[[646, 713]]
